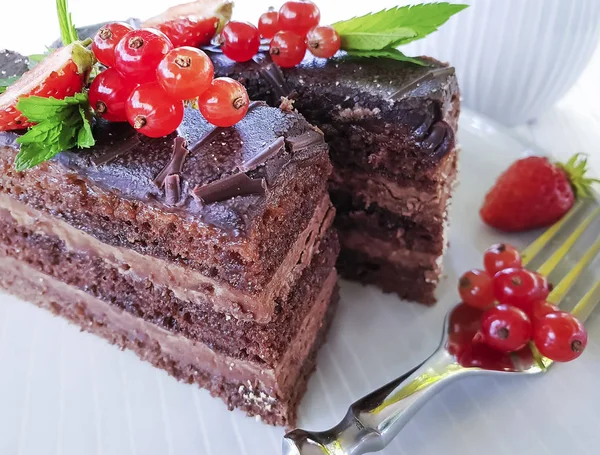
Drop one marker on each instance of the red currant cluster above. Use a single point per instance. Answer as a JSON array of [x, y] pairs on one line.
[[147, 81], [515, 309], [292, 29]]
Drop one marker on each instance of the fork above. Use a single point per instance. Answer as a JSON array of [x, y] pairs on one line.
[[374, 420]]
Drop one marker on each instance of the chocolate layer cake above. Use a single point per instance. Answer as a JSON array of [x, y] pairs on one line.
[[209, 252], [390, 127]]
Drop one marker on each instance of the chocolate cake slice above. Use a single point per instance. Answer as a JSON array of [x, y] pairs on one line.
[[390, 127], [209, 252]]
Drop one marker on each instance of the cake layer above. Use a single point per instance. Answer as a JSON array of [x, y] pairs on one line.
[[424, 202], [159, 305], [272, 393], [410, 283], [185, 284], [247, 193]]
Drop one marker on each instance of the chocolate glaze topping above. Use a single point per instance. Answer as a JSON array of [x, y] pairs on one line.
[[175, 166], [137, 167], [272, 73]]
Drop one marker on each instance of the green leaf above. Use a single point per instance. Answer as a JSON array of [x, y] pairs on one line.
[[61, 125], [395, 26], [68, 33], [385, 53], [4, 83]]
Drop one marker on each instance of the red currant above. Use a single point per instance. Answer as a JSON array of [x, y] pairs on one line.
[[108, 95], [475, 289], [501, 256], [287, 49], [224, 103], [299, 16], [323, 41], [506, 328], [240, 41], [139, 52], [520, 288], [152, 112], [185, 72], [463, 325], [540, 309], [268, 24], [560, 336], [107, 39]]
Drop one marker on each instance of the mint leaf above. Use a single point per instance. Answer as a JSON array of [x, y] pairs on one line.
[[386, 53], [4, 83], [68, 33], [61, 125], [395, 26]]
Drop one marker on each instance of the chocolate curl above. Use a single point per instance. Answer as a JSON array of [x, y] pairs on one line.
[[175, 165]]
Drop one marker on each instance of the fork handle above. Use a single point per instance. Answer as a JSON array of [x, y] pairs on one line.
[[374, 420]]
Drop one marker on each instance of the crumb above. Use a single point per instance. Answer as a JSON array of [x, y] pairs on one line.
[[286, 105]]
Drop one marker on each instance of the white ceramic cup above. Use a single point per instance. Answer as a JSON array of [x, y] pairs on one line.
[[516, 58]]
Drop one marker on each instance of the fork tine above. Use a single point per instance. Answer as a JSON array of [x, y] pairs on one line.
[[537, 245], [588, 302], [548, 266], [560, 290]]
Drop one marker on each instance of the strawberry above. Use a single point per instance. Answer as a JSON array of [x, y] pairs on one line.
[[192, 24], [534, 192], [63, 73]]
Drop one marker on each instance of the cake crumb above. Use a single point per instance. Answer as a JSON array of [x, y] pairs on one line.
[[287, 104], [227, 317]]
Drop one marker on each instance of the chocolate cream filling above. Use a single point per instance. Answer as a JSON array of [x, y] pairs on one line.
[[186, 284], [46, 291]]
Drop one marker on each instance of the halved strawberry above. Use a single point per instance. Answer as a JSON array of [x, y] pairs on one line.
[[194, 23], [63, 73]]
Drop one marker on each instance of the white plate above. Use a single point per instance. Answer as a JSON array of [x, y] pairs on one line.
[[70, 393]]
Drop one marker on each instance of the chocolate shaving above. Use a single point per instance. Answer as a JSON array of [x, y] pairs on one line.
[[117, 150], [272, 73], [208, 136], [229, 187], [262, 156], [175, 165], [254, 104], [172, 189], [434, 73], [305, 140]]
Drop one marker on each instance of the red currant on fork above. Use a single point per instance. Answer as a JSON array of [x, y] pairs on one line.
[[475, 289], [506, 328]]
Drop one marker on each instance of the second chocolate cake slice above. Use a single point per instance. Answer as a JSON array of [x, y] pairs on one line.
[[390, 127]]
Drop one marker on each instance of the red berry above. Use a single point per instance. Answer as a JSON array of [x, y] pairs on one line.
[[240, 41], [139, 52], [287, 49], [501, 256], [560, 336], [299, 16], [520, 288], [108, 95], [323, 41], [107, 39], [268, 24], [152, 112], [185, 72], [224, 103], [475, 289], [540, 309], [506, 328], [463, 325]]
